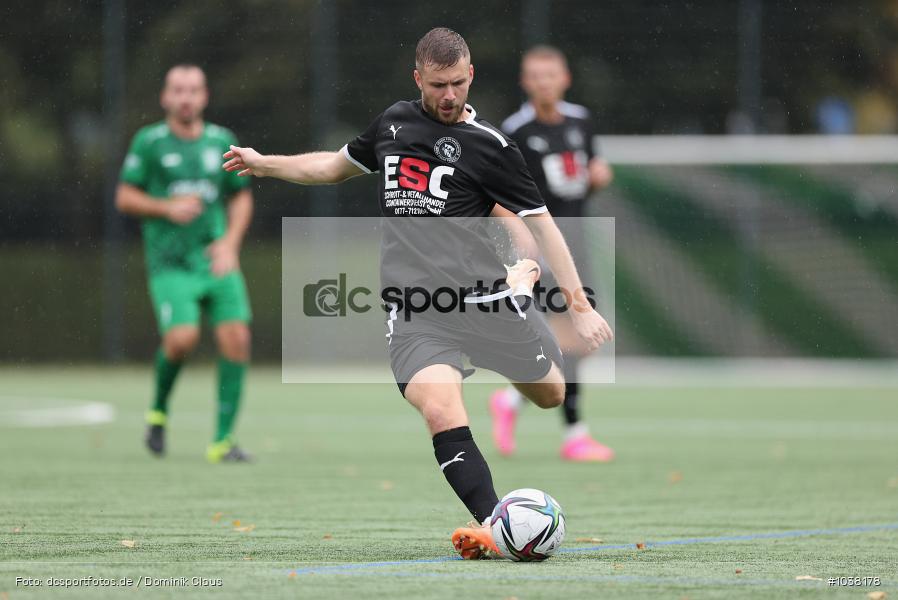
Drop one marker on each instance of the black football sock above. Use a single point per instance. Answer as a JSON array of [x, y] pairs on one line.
[[466, 470], [571, 391]]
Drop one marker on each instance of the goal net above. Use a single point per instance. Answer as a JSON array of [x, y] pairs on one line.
[[755, 245]]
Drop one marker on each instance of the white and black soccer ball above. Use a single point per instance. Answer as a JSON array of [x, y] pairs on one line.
[[527, 525]]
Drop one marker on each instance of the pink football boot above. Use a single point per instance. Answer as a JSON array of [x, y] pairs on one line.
[[504, 417], [581, 447]]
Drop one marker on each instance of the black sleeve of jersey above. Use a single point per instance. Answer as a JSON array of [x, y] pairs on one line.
[[361, 150], [508, 182]]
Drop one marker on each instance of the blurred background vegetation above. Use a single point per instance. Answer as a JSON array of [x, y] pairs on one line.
[[298, 75]]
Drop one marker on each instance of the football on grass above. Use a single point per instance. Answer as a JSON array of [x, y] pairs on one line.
[[528, 525]]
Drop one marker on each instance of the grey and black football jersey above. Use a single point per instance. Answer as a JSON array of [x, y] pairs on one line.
[[456, 172], [557, 155]]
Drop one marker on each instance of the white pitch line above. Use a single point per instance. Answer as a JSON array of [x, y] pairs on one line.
[[751, 428], [647, 371], [634, 371], [72, 412]]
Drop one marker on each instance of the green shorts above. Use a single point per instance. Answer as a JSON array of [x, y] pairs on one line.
[[179, 297]]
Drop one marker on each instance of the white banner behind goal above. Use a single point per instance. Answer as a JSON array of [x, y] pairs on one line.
[[749, 149]]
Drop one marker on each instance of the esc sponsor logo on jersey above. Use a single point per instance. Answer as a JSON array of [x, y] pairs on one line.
[[203, 188], [567, 174], [170, 160], [415, 174]]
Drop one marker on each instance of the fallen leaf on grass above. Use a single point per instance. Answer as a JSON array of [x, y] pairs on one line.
[[387, 485], [588, 540], [779, 450], [129, 543], [245, 529], [877, 595], [807, 578], [675, 477], [640, 546], [217, 517]]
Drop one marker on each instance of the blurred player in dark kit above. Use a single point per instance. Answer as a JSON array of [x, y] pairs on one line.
[[558, 142]]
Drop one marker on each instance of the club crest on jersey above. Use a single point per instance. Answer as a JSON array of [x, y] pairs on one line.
[[574, 138], [447, 149], [212, 160], [538, 144]]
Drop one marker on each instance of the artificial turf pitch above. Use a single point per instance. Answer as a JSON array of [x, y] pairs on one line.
[[743, 489]]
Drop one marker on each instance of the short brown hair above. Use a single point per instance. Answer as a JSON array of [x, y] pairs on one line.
[[545, 51], [186, 66], [441, 47]]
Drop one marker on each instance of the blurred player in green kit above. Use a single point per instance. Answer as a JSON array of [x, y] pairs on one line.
[[194, 217]]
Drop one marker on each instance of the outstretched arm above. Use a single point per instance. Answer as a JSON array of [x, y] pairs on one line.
[[521, 239], [225, 251], [591, 326], [310, 169], [600, 173], [182, 209]]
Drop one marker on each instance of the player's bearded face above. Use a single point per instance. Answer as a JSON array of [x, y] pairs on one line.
[[184, 96], [444, 91]]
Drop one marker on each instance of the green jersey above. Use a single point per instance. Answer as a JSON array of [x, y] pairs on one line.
[[163, 165]]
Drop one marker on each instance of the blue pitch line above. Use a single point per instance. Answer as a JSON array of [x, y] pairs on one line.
[[680, 542], [742, 538]]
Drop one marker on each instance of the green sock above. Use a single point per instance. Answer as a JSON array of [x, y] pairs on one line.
[[230, 387], [166, 373]]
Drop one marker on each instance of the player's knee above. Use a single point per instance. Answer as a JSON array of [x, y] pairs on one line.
[[234, 342], [437, 422], [178, 345], [550, 395], [436, 410], [442, 409]]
